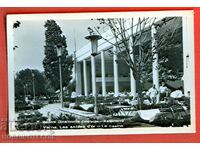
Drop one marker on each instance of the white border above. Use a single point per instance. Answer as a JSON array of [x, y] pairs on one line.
[[148, 130]]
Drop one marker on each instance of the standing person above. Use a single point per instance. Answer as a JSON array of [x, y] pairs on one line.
[[152, 93], [164, 91]]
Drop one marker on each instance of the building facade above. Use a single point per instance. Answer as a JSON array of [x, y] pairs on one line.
[[106, 72]]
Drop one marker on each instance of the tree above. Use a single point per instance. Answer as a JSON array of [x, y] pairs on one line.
[[133, 37], [24, 83], [53, 38], [16, 25]]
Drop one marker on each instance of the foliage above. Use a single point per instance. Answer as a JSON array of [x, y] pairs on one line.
[[16, 24], [53, 38], [24, 83], [49, 88], [30, 117], [71, 88], [102, 109], [20, 104]]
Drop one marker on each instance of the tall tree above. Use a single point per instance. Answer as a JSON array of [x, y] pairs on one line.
[[132, 36], [24, 83], [53, 38]]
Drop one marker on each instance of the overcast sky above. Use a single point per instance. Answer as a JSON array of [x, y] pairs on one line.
[[29, 38]]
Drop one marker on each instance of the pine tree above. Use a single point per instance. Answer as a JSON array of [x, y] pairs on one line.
[[53, 38]]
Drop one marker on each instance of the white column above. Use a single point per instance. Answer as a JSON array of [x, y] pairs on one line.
[[85, 77], [78, 79], [133, 83], [93, 75], [103, 74], [116, 78], [155, 61], [132, 79]]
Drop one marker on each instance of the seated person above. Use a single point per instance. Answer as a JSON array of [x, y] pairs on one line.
[[152, 93], [73, 95], [164, 91]]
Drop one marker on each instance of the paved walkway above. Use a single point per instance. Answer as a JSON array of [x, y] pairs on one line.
[[51, 108], [57, 110]]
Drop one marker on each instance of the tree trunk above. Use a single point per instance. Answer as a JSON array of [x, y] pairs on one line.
[[140, 97], [139, 91]]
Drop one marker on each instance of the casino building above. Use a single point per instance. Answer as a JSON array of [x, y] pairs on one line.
[[106, 72]]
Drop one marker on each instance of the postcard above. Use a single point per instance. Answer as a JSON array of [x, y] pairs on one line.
[[101, 73]]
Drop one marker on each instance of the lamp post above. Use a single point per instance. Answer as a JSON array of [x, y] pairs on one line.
[[33, 78], [59, 49], [24, 92], [94, 45], [26, 89]]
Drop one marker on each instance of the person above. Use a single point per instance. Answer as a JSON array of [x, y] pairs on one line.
[[163, 91], [73, 95], [152, 93]]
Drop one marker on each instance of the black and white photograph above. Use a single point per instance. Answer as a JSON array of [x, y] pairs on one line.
[[101, 73]]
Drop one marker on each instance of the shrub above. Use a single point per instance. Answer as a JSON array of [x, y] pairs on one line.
[[102, 109], [125, 103], [66, 104], [78, 107]]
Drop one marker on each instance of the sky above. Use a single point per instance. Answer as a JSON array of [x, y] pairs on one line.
[[30, 39]]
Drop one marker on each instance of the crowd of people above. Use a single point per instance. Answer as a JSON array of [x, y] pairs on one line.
[[164, 93]]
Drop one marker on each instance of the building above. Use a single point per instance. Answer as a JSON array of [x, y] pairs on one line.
[[106, 73]]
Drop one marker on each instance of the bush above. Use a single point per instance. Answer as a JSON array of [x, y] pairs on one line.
[[152, 106], [125, 103], [30, 117], [66, 104], [20, 105], [69, 99], [78, 107], [176, 118], [102, 109]]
